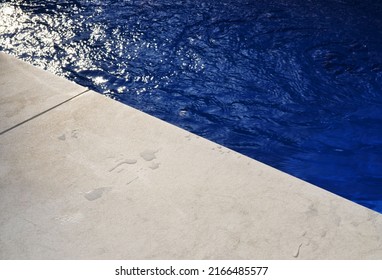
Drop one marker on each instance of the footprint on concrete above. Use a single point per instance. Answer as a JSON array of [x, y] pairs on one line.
[[128, 161], [154, 165], [148, 155], [75, 133], [96, 193]]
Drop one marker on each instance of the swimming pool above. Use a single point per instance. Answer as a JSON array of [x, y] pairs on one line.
[[295, 84]]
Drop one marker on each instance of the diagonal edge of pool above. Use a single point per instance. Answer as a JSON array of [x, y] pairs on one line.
[[85, 177]]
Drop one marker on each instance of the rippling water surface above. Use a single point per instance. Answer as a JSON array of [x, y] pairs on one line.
[[296, 84]]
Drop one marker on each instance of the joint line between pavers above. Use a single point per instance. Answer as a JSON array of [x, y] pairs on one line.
[[42, 113]]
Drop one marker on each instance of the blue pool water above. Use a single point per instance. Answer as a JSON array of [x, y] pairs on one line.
[[296, 84]]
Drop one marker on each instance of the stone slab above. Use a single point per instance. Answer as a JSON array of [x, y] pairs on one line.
[[96, 179], [26, 91]]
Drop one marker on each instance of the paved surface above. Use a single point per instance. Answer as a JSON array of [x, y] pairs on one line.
[[90, 178], [25, 94]]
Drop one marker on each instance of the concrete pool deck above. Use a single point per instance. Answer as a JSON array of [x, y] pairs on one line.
[[85, 177]]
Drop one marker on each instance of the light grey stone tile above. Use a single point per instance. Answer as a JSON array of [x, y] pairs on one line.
[[26, 91]]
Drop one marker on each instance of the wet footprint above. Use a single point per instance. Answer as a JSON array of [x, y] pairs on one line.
[[128, 161], [96, 193], [148, 155], [154, 165]]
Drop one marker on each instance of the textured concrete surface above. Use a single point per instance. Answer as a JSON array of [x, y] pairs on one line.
[[96, 179], [24, 94]]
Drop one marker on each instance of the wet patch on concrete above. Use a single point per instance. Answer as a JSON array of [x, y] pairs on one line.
[[128, 161], [148, 155], [154, 165], [96, 193]]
